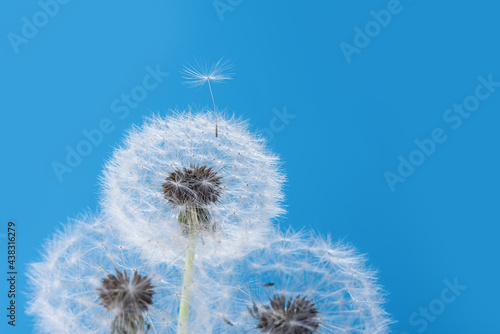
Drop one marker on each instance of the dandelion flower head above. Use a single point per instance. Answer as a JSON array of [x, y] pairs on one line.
[[173, 175], [299, 284], [89, 282]]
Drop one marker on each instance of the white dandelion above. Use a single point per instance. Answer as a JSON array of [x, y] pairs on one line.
[[174, 187], [298, 284], [90, 282], [172, 177]]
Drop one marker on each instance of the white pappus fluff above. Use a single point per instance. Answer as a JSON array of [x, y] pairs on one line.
[[176, 165], [298, 284], [198, 73], [89, 282]]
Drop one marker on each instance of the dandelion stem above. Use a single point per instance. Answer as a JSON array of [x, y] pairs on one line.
[[187, 282]]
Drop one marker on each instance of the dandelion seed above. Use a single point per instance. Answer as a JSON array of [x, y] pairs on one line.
[[299, 284], [200, 73]]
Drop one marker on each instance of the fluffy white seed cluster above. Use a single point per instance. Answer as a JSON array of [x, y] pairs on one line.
[[89, 282], [298, 284], [200, 185], [245, 180]]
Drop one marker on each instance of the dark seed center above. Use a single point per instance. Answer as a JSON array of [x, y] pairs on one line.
[[197, 186], [128, 296], [296, 316]]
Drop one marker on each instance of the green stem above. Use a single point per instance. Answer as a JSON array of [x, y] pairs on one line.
[[187, 282]]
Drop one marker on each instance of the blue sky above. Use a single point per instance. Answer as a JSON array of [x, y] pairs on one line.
[[385, 113]]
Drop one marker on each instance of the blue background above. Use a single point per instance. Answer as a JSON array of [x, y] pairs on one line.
[[352, 122]]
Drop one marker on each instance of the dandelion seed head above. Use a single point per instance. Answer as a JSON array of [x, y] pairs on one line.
[[300, 284], [174, 166], [107, 288]]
